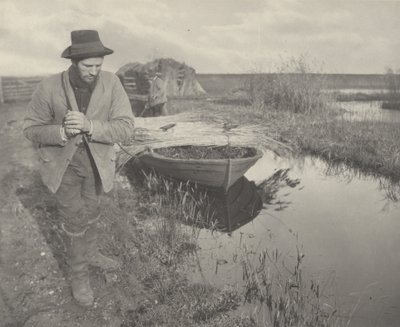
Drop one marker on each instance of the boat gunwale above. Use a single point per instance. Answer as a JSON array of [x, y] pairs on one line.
[[156, 155]]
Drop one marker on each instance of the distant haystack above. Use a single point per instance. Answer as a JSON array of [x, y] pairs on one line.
[[180, 79]]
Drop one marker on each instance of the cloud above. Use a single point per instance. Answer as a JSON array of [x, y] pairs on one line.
[[212, 36]]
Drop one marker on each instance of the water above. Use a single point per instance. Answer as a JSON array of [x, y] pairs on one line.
[[235, 208], [346, 224], [356, 111], [355, 91]]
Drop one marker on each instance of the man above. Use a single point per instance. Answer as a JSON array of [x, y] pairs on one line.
[[157, 96], [74, 118]]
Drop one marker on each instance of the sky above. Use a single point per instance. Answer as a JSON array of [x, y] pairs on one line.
[[212, 36]]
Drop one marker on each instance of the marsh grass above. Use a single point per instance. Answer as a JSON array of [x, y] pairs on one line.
[[392, 83], [364, 143], [293, 88], [281, 295], [371, 146], [299, 113], [183, 201], [180, 210]]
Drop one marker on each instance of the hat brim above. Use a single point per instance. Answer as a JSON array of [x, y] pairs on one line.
[[67, 53]]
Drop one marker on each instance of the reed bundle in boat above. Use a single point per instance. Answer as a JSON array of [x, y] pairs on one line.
[[188, 129]]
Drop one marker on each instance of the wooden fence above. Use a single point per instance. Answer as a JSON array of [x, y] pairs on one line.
[[14, 89]]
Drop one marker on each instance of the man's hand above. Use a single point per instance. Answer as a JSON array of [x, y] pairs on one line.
[[69, 132], [75, 120]]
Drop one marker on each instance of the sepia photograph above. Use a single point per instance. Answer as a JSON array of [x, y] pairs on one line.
[[205, 163]]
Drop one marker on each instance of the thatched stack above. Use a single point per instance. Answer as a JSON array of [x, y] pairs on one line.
[[180, 79]]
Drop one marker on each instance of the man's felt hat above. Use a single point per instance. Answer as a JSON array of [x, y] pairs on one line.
[[85, 44]]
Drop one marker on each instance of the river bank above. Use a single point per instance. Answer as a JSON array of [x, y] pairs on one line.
[[366, 144]]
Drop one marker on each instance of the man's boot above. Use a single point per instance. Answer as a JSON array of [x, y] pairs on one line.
[[77, 249], [95, 258]]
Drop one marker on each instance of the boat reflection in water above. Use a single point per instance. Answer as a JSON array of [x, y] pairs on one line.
[[225, 211], [244, 200], [222, 210], [236, 207]]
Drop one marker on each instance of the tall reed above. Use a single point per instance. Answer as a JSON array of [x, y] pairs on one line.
[[293, 88], [180, 209], [392, 83], [281, 294]]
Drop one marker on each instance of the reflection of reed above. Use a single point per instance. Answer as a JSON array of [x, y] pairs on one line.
[[391, 189], [244, 200], [269, 188]]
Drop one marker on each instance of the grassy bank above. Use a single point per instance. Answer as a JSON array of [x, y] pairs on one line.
[[370, 146]]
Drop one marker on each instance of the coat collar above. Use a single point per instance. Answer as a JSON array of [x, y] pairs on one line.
[[95, 99]]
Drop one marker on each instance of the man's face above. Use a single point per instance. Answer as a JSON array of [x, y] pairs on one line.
[[89, 68]]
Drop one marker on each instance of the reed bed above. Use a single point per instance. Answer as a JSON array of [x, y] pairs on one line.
[[301, 114], [392, 82], [292, 89]]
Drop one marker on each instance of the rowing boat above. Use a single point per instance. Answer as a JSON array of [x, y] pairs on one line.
[[218, 173]]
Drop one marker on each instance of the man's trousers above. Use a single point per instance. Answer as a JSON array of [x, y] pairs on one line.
[[78, 194]]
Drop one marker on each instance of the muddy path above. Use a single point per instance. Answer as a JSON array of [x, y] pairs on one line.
[[31, 283], [34, 287]]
